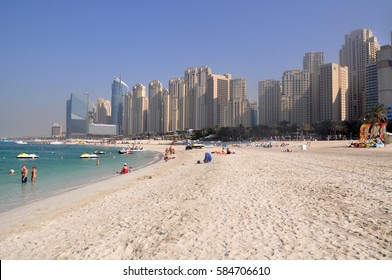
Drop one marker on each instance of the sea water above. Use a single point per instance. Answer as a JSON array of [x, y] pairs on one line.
[[59, 169]]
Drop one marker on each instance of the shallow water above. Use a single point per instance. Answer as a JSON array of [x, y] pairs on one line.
[[59, 169]]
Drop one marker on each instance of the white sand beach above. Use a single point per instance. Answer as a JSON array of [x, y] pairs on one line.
[[326, 202]]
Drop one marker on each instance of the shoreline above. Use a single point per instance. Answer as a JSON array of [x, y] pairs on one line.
[[259, 203], [65, 199]]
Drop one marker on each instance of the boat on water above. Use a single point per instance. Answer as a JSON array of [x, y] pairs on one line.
[[98, 152], [131, 150], [126, 151], [20, 142], [137, 149], [57, 143], [87, 155], [26, 155]]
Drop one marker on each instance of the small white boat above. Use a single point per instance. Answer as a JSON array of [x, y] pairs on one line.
[[25, 155], [57, 143], [98, 152], [87, 155], [20, 142], [137, 149], [125, 151]]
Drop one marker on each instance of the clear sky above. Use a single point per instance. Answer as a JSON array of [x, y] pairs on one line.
[[49, 49]]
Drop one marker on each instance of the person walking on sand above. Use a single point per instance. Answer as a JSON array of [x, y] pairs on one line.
[[33, 173], [24, 171]]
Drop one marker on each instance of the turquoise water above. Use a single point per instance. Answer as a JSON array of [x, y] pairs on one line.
[[59, 169]]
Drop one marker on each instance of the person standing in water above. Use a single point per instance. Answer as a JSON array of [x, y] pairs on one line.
[[33, 173], [24, 171]]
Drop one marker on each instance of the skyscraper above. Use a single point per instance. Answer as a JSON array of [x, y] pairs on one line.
[[119, 89], [77, 114], [140, 109], [177, 106], [333, 92], [195, 89], [103, 111], [359, 50], [384, 64], [295, 102], [371, 86], [270, 92], [235, 115], [155, 107], [311, 63], [218, 96]]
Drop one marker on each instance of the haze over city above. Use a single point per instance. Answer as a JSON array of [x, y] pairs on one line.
[[51, 49]]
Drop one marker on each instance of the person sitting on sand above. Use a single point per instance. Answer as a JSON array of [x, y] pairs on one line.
[[124, 170], [166, 157], [207, 157]]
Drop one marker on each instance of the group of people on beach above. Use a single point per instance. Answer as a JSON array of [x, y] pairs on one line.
[[24, 172], [168, 150]]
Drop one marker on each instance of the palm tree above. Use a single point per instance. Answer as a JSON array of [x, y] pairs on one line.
[[377, 114]]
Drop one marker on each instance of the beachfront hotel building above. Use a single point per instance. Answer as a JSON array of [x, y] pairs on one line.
[[295, 101], [77, 115], [177, 104], [217, 98], [119, 89], [235, 112], [371, 86], [311, 63], [135, 109], [196, 102], [103, 111], [384, 65], [155, 107], [140, 109], [270, 92], [333, 92], [56, 130], [358, 51]]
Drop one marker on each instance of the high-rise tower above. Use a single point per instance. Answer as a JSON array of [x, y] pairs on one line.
[[311, 63], [359, 50], [77, 114], [119, 89]]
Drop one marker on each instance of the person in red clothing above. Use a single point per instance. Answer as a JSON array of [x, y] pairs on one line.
[[124, 169]]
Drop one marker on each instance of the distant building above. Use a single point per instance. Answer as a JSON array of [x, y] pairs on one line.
[[119, 89], [384, 65], [371, 86], [270, 92], [235, 114], [333, 92], [155, 107], [177, 104], [295, 101], [196, 99], [218, 96], [359, 50], [312, 62], [103, 111], [77, 114], [102, 129], [56, 130]]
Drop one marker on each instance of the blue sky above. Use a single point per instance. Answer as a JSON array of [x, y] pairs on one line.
[[49, 49]]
